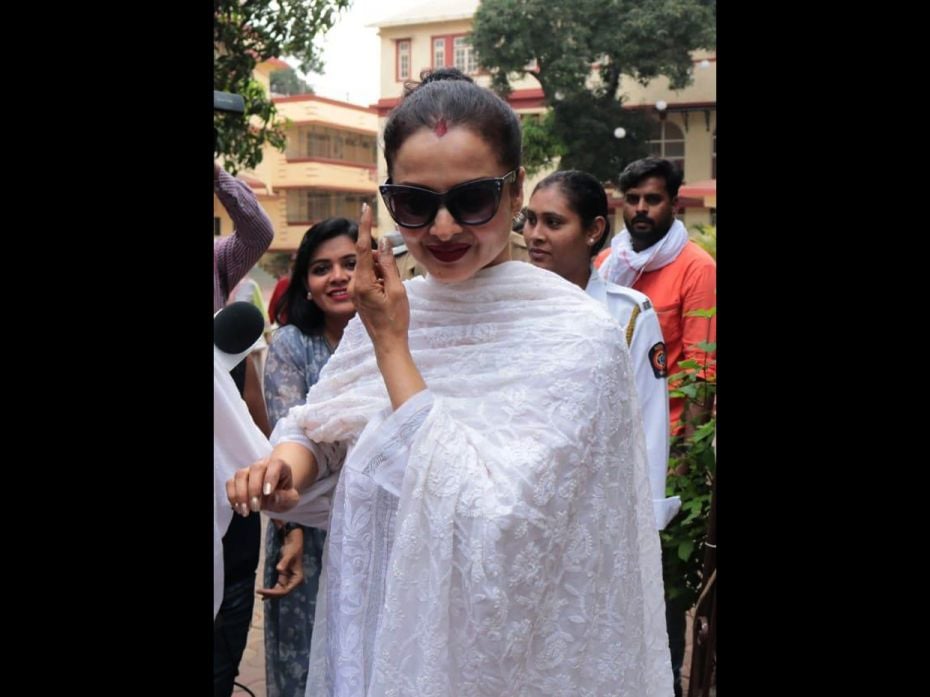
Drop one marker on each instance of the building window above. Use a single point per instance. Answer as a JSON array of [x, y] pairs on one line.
[[454, 51], [667, 141], [403, 59], [310, 206], [464, 55], [216, 226], [333, 144]]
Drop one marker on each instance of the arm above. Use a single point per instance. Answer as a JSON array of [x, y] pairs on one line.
[[381, 301], [252, 233], [286, 384], [290, 566], [252, 394], [273, 483], [647, 351]]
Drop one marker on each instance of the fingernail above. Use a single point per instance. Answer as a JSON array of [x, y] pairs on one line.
[[267, 489], [364, 208], [255, 504], [384, 245], [242, 509]]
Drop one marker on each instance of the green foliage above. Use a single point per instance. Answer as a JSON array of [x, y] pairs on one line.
[[584, 123], [705, 236], [692, 467], [540, 146], [557, 43], [288, 82], [248, 33]]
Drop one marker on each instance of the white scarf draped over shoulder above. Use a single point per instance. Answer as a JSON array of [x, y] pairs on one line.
[[624, 265], [493, 536]]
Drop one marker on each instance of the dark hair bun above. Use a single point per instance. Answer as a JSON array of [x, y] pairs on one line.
[[427, 76]]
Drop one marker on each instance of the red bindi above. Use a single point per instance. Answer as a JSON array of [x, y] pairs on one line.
[[441, 128]]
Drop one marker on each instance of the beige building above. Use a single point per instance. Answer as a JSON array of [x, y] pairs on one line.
[[327, 169], [435, 35]]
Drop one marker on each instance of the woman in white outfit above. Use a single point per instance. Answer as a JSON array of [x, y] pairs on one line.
[[477, 438], [566, 226]]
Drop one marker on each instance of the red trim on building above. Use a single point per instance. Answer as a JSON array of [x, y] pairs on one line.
[[527, 99], [519, 99], [385, 104], [325, 100], [687, 202], [278, 64], [699, 189], [448, 54]]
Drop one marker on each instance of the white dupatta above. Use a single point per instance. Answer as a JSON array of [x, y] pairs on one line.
[[495, 535]]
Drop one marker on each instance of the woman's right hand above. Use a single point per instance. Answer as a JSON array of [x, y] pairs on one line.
[[267, 484], [381, 301], [377, 290]]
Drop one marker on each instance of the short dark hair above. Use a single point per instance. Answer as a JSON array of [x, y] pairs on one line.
[[636, 171], [449, 94], [294, 307], [586, 197]]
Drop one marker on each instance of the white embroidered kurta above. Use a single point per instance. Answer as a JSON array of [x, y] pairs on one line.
[[495, 535]]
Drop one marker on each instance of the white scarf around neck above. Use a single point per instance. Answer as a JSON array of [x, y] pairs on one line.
[[624, 265]]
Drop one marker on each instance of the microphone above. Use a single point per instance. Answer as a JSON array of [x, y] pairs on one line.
[[228, 102], [236, 329]]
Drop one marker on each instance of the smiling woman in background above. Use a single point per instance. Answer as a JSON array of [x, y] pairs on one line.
[[313, 314]]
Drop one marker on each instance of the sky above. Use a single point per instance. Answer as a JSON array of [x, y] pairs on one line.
[[352, 52]]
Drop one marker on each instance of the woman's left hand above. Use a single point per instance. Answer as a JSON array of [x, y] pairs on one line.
[[290, 567]]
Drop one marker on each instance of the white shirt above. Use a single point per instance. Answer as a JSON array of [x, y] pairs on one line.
[[647, 351], [237, 442]]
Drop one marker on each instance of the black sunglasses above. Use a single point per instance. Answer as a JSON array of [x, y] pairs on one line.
[[471, 203]]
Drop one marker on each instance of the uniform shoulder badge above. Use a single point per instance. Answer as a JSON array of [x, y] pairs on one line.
[[657, 360]]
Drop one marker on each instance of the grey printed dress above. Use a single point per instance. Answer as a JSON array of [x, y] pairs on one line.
[[293, 365]]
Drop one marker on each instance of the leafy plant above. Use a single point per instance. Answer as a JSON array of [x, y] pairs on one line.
[[288, 82], [692, 467], [244, 35], [705, 236]]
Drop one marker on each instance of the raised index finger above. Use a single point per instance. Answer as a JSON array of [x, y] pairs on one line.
[[363, 258]]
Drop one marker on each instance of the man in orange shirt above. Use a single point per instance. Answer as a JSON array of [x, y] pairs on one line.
[[653, 255]]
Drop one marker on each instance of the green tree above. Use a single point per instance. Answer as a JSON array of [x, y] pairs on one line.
[[540, 145], [557, 43], [288, 82], [248, 33]]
